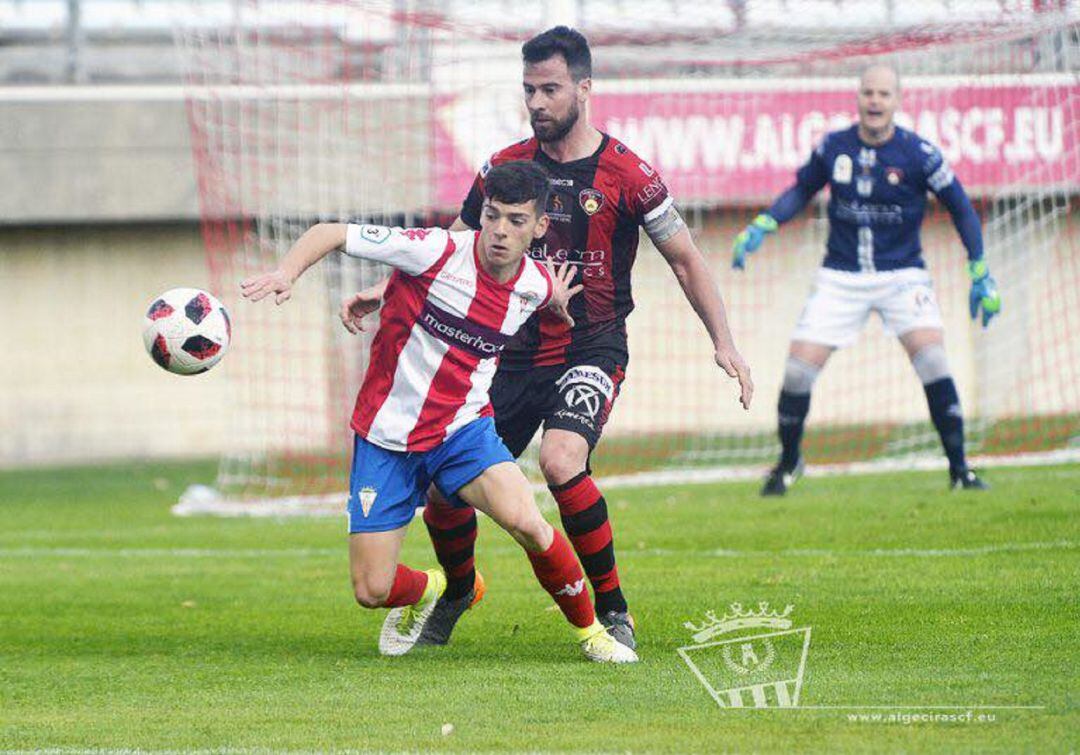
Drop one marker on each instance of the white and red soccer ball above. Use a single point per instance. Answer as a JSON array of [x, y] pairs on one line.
[[186, 331]]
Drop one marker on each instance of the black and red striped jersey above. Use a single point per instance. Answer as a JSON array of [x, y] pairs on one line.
[[596, 205]]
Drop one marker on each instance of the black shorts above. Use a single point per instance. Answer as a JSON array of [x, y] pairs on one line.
[[576, 396]]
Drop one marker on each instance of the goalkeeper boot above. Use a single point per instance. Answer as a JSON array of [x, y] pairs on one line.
[[601, 647], [441, 622], [620, 625], [965, 479], [402, 626], [780, 479]]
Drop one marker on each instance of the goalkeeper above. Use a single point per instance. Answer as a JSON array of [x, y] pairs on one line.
[[878, 176]]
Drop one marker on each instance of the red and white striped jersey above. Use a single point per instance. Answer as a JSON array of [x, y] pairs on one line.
[[443, 324]]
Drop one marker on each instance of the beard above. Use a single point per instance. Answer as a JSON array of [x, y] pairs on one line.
[[556, 130]]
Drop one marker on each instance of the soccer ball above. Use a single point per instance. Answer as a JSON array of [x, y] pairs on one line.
[[186, 331]]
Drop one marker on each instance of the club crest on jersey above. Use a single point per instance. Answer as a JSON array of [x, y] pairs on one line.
[[528, 300], [841, 169], [591, 200], [894, 176], [367, 499]]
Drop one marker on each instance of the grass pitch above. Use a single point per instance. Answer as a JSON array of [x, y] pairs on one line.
[[122, 627]]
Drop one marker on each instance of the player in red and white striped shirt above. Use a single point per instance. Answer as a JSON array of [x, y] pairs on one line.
[[423, 415], [562, 379]]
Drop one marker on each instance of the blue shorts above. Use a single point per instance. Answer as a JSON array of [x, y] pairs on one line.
[[391, 484]]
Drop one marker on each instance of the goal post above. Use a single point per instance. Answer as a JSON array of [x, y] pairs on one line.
[[383, 111]]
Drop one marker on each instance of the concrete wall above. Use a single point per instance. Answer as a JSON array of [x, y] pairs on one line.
[[80, 384], [99, 213], [125, 154], [72, 158], [77, 383]]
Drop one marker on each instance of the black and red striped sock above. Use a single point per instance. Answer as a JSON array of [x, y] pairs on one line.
[[453, 534], [585, 519]]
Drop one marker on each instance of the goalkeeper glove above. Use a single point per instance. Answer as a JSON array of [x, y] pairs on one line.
[[751, 237], [984, 292]]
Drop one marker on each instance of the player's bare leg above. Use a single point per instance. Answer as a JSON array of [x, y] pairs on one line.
[[504, 494], [380, 581], [926, 349], [564, 457], [804, 363], [373, 561]]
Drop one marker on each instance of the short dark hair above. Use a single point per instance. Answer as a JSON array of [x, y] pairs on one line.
[[561, 40], [517, 182]]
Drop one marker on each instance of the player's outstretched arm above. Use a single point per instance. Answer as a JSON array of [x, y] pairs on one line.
[[809, 180], [984, 295], [688, 264], [355, 307], [561, 290], [317, 242]]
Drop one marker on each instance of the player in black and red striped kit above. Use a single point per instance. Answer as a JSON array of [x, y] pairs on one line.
[[567, 379], [597, 205]]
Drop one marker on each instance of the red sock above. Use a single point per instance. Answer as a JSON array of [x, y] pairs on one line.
[[560, 574], [409, 585]]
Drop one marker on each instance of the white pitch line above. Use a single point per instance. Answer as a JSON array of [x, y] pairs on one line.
[[241, 553], [709, 475], [61, 552], [874, 552], [901, 707], [134, 751], [334, 504], [215, 751]]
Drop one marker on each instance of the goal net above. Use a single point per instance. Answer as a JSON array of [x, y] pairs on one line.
[[383, 111]]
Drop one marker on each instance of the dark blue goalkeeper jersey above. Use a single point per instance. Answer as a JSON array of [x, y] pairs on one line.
[[878, 199]]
